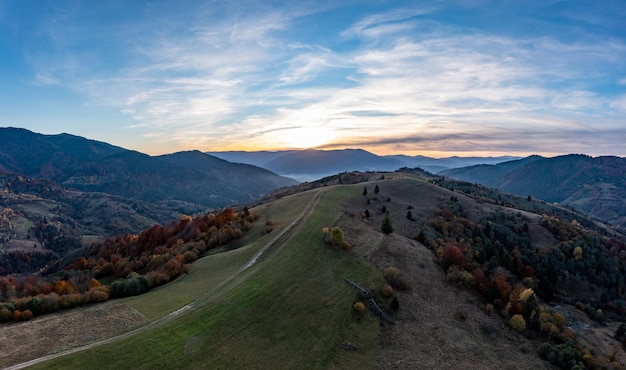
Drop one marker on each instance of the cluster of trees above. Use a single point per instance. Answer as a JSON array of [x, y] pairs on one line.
[[132, 264], [496, 257], [24, 298], [386, 226]]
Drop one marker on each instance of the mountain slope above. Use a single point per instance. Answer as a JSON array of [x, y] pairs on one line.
[[594, 185], [435, 165], [89, 165], [50, 156], [488, 174]]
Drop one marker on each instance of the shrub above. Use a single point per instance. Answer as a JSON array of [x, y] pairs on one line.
[[133, 285], [391, 274], [336, 235], [387, 290], [395, 305], [525, 294], [565, 355], [5, 314], [358, 306], [98, 294], [27, 315], [518, 323], [403, 284]]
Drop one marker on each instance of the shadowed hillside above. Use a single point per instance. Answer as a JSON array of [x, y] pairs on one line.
[[596, 186], [89, 165]]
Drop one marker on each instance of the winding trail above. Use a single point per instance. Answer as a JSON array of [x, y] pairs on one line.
[[306, 212]]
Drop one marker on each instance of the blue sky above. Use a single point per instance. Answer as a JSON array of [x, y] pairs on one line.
[[437, 78]]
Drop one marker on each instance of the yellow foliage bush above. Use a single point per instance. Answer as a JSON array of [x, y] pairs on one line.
[[387, 290], [358, 306], [527, 293], [391, 274], [578, 253], [517, 322]]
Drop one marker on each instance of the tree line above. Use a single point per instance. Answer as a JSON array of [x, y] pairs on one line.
[[130, 264]]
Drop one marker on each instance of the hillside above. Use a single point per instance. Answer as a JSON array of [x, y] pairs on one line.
[[596, 186], [435, 165], [285, 289], [92, 166], [40, 221]]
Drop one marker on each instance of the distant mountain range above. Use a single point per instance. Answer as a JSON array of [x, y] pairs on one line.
[[58, 192], [89, 165], [596, 186], [310, 164]]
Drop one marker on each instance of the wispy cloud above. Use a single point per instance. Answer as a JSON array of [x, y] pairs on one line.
[[405, 79]]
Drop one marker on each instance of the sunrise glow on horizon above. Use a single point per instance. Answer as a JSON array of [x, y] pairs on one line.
[[439, 79]]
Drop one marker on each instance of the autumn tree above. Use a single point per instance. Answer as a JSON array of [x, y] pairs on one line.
[[336, 235], [518, 323]]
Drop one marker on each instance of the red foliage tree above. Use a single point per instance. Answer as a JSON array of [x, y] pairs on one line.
[[500, 284]]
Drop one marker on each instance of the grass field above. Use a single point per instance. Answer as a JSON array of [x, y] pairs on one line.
[[291, 309]]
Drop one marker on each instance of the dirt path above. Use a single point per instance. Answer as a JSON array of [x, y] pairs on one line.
[[120, 317]]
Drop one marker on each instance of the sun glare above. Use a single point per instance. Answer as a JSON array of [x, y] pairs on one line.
[[305, 137]]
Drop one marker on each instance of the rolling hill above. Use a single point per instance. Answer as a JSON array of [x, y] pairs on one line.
[[596, 186], [279, 299]]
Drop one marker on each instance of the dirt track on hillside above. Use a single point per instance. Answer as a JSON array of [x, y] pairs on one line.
[[84, 328]]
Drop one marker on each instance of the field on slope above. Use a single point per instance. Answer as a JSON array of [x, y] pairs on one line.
[[291, 308]]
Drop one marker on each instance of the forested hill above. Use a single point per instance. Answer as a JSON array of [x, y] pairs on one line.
[[88, 165], [596, 186]]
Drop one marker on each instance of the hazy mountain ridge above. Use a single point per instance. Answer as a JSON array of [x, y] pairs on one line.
[[312, 164], [594, 185], [115, 191], [89, 165]]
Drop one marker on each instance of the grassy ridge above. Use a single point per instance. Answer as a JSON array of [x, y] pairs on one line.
[[291, 309], [207, 273]]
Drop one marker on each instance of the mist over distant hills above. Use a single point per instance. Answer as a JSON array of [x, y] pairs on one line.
[[311, 164]]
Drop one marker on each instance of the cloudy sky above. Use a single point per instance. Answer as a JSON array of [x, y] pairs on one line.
[[438, 78]]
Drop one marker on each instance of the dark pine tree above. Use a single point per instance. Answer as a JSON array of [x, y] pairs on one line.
[[386, 226]]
